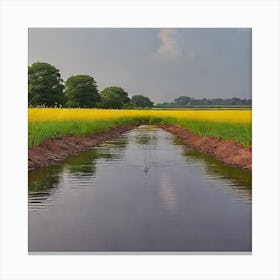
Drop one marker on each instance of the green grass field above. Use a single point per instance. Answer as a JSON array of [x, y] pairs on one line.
[[239, 132], [39, 131]]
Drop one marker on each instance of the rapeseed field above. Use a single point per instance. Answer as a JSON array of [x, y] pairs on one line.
[[53, 122]]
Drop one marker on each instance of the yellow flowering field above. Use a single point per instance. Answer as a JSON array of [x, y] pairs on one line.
[[54, 114], [44, 123]]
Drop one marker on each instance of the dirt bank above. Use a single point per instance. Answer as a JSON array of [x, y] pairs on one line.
[[229, 152], [53, 150]]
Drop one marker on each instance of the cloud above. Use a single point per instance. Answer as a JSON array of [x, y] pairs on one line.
[[169, 47], [191, 57]]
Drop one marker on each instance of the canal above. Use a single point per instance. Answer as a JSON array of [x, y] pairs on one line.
[[141, 192]]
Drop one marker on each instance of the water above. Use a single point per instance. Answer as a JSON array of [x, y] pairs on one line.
[[140, 192]]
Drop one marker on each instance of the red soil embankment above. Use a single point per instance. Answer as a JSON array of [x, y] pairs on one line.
[[53, 150], [227, 151]]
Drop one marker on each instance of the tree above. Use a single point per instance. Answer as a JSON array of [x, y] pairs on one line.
[[81, 91], [110, 100], [114, 98], [182, 100], [45, 86], [141, 101], [236, 101]]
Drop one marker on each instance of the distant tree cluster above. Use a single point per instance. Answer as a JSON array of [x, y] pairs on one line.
[[46, 88], [186, 101], [114, 97], [140, 101]]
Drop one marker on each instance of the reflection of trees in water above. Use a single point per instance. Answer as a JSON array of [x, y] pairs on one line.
[[43, 179], [83, 163], [143, 139], [148, 140], [238, 178], [113, 149]]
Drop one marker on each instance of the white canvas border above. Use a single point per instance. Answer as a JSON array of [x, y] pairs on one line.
[[17, 16]]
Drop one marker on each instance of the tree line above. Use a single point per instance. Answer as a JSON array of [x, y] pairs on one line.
[[46, 88], [186, 101]]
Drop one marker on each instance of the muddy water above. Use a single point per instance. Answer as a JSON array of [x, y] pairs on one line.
[[140, 192]]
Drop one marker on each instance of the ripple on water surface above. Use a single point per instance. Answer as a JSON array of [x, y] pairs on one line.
[[142, 191]]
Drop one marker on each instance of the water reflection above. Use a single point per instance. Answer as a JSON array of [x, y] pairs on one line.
[[238, 180], [139, 192], [147, 140], [43, 181], [167, 192], [83, 164]]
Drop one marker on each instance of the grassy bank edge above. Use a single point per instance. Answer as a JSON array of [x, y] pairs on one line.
[[40, 131]]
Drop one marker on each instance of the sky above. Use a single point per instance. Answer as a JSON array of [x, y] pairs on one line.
[[161, 64]]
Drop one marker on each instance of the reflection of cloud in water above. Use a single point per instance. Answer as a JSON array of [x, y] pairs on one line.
[[167, 192]]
